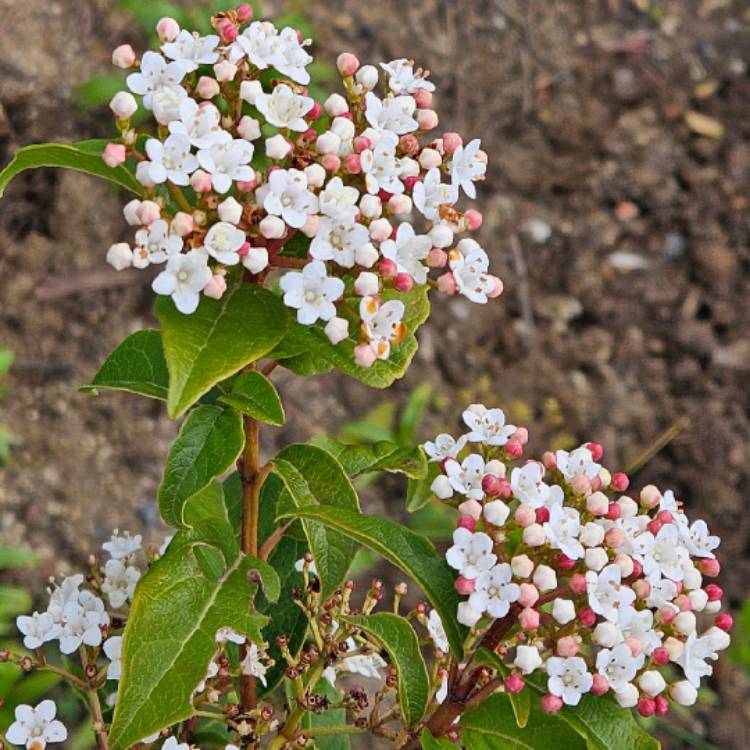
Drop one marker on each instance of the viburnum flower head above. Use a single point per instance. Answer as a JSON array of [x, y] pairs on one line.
[[288, 197], [471, 553], [312, 292], [34, 728], [171, 160], [190, 50], [37, 629], [184, 278], [200, 124], [569, 678], [154, 244], [155, 73], [407, 251], [223, 242], [285, 109], [227, 160], [495, 591], [402, 79], [487, 425]]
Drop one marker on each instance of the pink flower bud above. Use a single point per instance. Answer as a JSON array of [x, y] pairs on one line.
[[654, 526], [398, 205], [564, 562], [567, 646], [497, 287], [311, 226], [491, 485], [714, 592], [148, 212], [247, 186], [613, 511], [331, 163], [662, 705], [361, 143], [387, 268], [620, 481], [529, 595], [167, 29], [437, 258], [409, 144], [451, 141], [581, 484], [182, 224], [710, 567], [625, 564], [200, 181], [637, 569], [682, 602], [642, 588], [227, 31], [646, 706], [666, 615], [551, 704], [614, 538], [529, 619], [600, 684], [123, 56], [465, 586], [724, 621], [634, 645], [207, 87], [364, 356], [423, 98], [466, 522], [597, 503], [123, 105], [577, 583], [587, 617], [549, 460], [471, 508], [514, 683], [244, 13], [473, 219], [403, 282], [427, 119], [216, 287], [542, 515], [524, 516], [514, 449], [347, 63], [660, 656], [650, 496], [114, 154]]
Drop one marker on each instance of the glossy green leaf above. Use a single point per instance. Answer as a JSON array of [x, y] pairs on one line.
[[170, 635], [410, 552], [218, 339], [432, 743], [380, 456], [520, 702], [84, 156], [209, 442], [312, 477], [492, 726], [254, 394], [419, 491], [136, 365], [333, 717], [400, 641], [206, 513]]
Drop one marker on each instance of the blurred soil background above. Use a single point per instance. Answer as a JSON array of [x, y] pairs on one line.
[[617, 211]]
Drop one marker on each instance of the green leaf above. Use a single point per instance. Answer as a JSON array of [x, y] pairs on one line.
[[16, 557], [312, 477], [170, 636], [419, 491], [520, 702], [6, 360], [207, 515], [400, 641], [84, 156], [409, 551], [136, 365], [380, 456], [492, 726], [209, 442], [218, 339], [333, 717], [413, 412], [253, 394], [431, 743], [313, 340], [13, 601]]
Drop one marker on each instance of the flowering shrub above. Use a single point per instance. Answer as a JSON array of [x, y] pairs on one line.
[[286, 232]]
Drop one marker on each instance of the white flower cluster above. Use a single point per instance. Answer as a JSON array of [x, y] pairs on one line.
[[599, 589], [375, 208]]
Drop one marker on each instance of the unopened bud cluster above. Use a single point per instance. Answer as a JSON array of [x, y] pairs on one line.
[[595, 588], [248, 169]]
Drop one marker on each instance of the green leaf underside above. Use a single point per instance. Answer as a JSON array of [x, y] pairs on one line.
[[601, 722], [170, 636], [520, 702], [320, 355], [254, 394], [312, 477], [380, 456], [136, 365], [410, 552], [209, 442], [492, 726], [333, 717], [400, 641], [218, 339], [84, 156]]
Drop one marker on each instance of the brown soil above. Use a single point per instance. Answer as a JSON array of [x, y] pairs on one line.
[[631, 317]]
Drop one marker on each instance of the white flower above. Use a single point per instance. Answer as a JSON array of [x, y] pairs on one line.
[[437, 631], [618, 665], [494, 591], [527, 659], [287, 196], [568, 678], [171, 743], [465, 168], [365, 664], [171, 160], [693, 659], [639, 624], [119, 582], [662, 594], [226, 161], [668, 556], [259, 42], [211, 671], [577, 462], [284, 109], [442, 692], [467, 476], [199, 123], [382, 323], [37, 629], [35, 727], [394, 113], [79, 626], [562, 531], [339, 201], [121, 546], [338, 241], [444, 446], [154, 244], [228, 634], [166, 103], [311, 292], [290, 58], [252, 664], [698, 540], [527, 483], [184, 278], [606, 592], [155, 74], [403, 80], [471, 553], [467, 615], [65, 593], [113, 651], [408, 251], [472, 279], [487, 425], [429, 194], [381, 166], [223, 242], [191, 50]]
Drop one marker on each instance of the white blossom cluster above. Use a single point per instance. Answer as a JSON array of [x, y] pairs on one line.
[[244, 166], [601, 590]]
